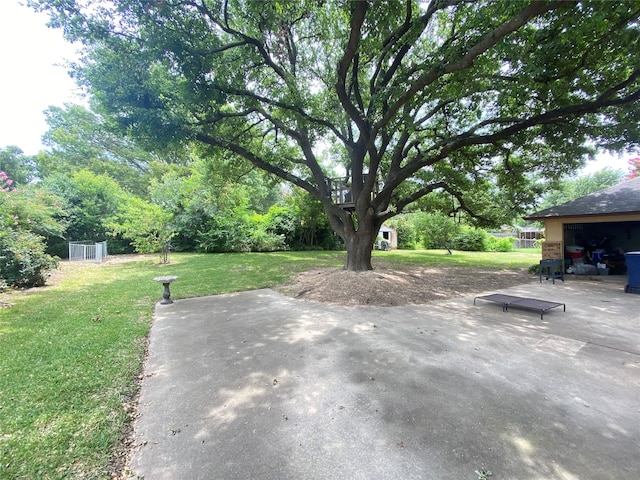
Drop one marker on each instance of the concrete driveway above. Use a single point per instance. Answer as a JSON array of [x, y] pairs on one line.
[[256, 385]]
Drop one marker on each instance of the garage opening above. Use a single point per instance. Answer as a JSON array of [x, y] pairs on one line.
[[601, 245]]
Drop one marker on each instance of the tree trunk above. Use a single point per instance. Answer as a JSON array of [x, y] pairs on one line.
[[359, 248], [358, 256], [358, 230]]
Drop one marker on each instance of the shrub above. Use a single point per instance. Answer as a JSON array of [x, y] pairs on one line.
[[500, 244], [406, 230], [268, 233], [470, 240], [281, 222], [224, 235], [25, 214], [263, 241], [23, 261], [438, 230]]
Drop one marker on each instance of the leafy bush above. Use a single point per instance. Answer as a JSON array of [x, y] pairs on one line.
[[282, 222], [146, 224], [224, 234], [438, 230], [312, 228], [269, 233], [263, 241], [26, 214], [500, 244], [406, 230], [470, 239], [23, 261]]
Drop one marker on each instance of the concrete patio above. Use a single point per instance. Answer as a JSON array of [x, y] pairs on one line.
[[256, 385]]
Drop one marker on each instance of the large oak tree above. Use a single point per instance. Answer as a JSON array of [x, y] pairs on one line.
[[482, 100]]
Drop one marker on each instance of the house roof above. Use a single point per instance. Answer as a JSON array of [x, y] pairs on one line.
[[623, 198]]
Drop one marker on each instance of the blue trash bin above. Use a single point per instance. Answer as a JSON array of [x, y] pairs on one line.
[[632, 259]]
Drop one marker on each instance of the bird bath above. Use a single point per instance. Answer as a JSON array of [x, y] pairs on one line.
[[166, 294]]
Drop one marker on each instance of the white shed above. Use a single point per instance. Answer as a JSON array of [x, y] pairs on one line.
[[389, 235]]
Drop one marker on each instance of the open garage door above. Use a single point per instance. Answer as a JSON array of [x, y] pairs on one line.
[[601, 243]]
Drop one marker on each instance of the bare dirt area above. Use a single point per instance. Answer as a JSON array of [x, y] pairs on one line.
[[398, 286]]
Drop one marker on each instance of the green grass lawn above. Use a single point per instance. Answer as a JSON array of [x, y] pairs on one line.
[[521, 258], [71, 353]]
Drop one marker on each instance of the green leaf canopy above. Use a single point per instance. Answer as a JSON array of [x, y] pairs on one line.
[[483, 100]]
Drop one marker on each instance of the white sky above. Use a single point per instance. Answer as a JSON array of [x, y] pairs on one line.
[[33, 77], [30, 81]]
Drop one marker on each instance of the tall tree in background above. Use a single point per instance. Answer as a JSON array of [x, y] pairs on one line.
[[20, 168], [480, 99], [81, 139], [569, 189], [89, 203]]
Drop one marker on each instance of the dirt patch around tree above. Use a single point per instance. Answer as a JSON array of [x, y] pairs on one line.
[[398, 286]]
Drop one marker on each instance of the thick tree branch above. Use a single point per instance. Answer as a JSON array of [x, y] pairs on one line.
[[559, 114], [226, 27], [301, 137], [416, 195], [398, 153], [259, 162], [224, 48], [382, 77], [357, 20], [533, 10], [444, 148], [400, 205], [354, 87], [285, 106]]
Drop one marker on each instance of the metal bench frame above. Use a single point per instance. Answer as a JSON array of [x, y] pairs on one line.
[[507, 301]]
